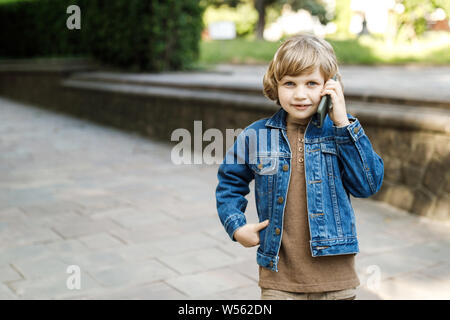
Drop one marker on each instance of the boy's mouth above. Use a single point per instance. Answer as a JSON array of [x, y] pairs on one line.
[[301, 106]]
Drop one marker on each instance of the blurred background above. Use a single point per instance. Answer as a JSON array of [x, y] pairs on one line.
[[94, 94], [232, 31], [361, 31]]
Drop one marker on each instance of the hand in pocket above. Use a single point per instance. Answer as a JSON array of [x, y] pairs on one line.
[[248, 235]]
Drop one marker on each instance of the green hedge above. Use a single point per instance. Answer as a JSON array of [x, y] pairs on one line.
[[137, 34]]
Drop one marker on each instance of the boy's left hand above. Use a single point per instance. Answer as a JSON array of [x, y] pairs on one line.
[[338, 111]]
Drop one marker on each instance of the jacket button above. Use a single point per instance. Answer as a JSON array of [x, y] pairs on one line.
[[277, 231], [285, 167], [260, 166], [280, 199], [271, 264], [356, 130]]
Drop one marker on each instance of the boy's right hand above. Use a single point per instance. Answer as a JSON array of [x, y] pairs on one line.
[[248, 235]]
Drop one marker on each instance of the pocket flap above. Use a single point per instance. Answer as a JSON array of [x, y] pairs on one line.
[[265, 165], [328, 148]]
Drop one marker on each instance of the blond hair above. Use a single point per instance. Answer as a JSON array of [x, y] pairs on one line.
[[300, 54]]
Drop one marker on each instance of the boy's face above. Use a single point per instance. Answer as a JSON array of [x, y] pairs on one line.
[[300, 96]]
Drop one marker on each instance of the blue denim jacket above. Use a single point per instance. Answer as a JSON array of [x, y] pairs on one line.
[[338, 162]]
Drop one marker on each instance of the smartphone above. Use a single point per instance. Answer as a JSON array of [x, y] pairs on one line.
[[324, 106]]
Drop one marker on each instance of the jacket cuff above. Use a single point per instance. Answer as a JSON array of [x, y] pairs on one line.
[[233, 223], [354, 130]]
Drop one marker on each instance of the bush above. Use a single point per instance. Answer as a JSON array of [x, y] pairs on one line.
[[141, 35]]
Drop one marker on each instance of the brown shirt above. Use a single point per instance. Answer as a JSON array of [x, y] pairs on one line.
[[298, 271]]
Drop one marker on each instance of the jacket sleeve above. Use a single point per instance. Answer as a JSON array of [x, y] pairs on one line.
[[234, 177], [363, 169]]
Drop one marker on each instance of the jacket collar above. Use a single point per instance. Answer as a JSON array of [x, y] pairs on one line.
[[278, 120]]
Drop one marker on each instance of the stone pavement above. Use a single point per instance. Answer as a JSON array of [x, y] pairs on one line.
[[139, 227]]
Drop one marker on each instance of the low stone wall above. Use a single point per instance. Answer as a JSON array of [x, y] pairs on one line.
[[413, 145], [417, 169]]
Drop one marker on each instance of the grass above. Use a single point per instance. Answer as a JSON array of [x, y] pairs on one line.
[[433, 49]]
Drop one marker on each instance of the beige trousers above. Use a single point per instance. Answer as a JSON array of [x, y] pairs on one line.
[[271, 294]]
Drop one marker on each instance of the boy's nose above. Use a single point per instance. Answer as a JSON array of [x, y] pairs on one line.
[[299, 94]]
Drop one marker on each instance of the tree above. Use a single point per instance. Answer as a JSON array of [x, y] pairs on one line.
[[315, 7], [412, 21]]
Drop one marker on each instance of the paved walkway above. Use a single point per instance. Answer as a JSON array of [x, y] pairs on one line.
[[139, 227]]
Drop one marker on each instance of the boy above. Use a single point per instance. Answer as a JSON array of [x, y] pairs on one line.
[[304, 176]]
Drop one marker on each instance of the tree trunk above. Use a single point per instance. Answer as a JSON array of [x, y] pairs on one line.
[[261, 9]]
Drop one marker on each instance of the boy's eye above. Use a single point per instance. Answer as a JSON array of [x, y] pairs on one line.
[[312, 83], [288, 83]]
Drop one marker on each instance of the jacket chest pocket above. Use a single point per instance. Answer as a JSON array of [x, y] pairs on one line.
[[332, 173], [329, 153], [265, 165], [314, 178], [265, 169]]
